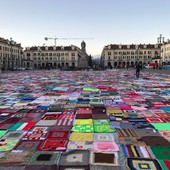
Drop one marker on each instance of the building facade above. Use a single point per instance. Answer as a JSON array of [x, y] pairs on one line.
[[165, 52], [10, 54], [56, 57], [116, 55]]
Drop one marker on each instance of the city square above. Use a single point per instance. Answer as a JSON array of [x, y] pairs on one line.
[[52, 119], [84, 85]]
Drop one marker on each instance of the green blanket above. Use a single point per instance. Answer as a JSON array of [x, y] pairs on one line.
[[83, 128], [2, 133], [103, 128], [161, 126]]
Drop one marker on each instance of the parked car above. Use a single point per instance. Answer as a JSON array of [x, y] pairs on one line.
[[152, 65], [166, 67]]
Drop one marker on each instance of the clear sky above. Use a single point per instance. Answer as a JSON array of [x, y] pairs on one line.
[[107, 21]]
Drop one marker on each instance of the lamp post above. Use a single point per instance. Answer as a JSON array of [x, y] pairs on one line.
[[39, 55], [11, 43], [160, 41]]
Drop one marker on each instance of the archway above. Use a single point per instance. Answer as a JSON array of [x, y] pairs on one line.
[[109, 65], [67, 65], [119, 64], [132, 64], [28, 64], [123, 65], [115, 64], [73, 64]]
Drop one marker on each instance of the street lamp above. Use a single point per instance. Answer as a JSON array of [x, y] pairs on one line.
[[11, 43], [39, 55], [160, 41]]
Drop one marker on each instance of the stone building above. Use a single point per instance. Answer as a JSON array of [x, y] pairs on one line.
[[165, 51], [115, 55], [56, 57], [10, 54]]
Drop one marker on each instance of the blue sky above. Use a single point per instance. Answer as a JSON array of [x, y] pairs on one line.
[[107, 21]]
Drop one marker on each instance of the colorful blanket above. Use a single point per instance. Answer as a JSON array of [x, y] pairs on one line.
[[44, 158], [105, 146], [143, 163], [15, 158], [104, 137], [83, 128], [83, 122], [74, 145], [84, 137], [103, 128], [135, 151], [7, 144]]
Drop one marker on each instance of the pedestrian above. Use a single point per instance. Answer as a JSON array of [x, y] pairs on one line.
[[127, 66], [138, 68]]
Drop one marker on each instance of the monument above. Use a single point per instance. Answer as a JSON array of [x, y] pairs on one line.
[[83, 58]]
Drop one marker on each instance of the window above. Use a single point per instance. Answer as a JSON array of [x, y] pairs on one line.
[[55, 58], [66, 54], [28, 54], [46, 58], [109, 53], [115, 53], [149, 52], [46, 54], [50, 54], [109, 57], [58, 54], [115, 57], [72, 54]]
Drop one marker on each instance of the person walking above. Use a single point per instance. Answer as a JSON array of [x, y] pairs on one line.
[[127, 66], [138, 67]]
